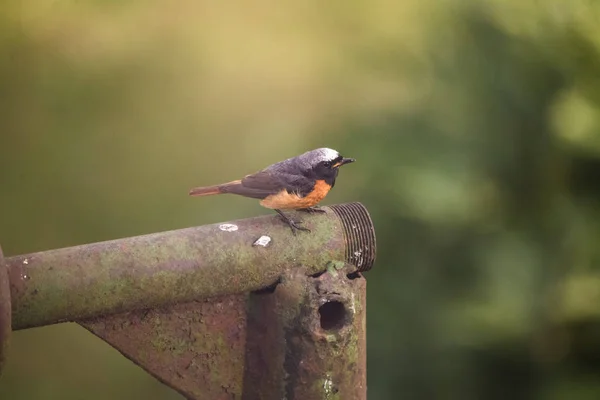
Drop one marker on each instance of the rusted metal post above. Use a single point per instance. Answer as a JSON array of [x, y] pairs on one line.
[[177, 266], [307, 340]]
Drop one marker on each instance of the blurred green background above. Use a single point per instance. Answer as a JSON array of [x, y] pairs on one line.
[[475, 125]]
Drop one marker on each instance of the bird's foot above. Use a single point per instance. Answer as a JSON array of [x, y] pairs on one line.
[[294, 225], [313, 210]]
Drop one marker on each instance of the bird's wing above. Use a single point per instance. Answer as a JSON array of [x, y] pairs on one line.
[[267, 182], [258, 185]]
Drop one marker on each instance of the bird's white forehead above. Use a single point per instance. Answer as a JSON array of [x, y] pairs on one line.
[[325, 154]]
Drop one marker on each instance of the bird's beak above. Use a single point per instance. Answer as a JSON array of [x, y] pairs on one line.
[[344, 161]]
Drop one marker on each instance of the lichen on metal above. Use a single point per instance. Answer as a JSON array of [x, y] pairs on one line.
[[196, 348]]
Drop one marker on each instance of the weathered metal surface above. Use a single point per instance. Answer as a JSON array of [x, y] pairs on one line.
[[5, 311], [196, 348], [179, 266], [307, 340], [178, 304]]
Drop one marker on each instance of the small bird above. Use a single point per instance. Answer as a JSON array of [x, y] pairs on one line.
[[298, 183]]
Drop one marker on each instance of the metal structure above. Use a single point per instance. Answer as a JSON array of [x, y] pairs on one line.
[[238, 310]]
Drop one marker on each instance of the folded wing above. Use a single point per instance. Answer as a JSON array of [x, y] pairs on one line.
[[265, 183]]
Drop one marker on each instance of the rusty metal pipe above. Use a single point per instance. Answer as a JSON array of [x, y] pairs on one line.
[[170, 267]]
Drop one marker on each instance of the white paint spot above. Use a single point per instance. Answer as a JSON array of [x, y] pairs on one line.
[[228, 227], [262, 241], [26, 261], [328, 385]]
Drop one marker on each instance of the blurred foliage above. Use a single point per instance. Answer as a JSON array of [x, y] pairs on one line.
[[476, 129]]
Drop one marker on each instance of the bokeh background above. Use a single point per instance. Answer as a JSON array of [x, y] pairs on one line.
[[475, 125]]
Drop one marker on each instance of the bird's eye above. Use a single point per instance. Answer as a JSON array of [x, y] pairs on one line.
[[327, 163]]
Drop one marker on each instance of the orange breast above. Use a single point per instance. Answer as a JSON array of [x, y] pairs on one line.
[[285, 200]]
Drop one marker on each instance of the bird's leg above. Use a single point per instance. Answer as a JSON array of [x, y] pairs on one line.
[[315, 209], [293, 224]]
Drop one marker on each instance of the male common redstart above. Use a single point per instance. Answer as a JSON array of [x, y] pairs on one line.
[[298, 183]]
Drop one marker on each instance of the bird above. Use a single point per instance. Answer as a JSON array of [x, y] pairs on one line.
[[297, 183]]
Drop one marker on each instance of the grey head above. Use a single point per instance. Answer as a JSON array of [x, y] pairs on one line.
[[321, 163], [314, 157]]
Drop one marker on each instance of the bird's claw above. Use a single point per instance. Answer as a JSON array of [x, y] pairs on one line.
[[294, 225]]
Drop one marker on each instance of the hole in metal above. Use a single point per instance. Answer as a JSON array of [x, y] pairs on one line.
[[333, 315], [354, 275]]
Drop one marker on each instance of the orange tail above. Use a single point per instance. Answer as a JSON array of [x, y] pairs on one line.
[[211, 190], [205, 191]]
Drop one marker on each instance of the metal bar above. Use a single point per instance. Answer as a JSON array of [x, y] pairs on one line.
[[182, 265]]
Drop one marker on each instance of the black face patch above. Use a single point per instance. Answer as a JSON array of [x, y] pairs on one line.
[[334, 163], [326, 171]]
